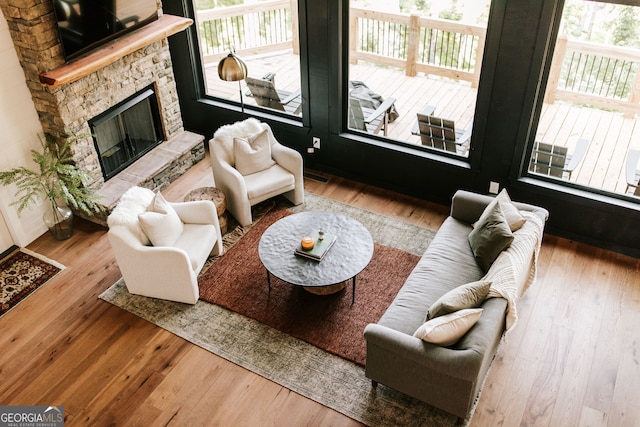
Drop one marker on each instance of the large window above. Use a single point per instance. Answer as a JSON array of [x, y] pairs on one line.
[[588, 133], [264, 35], [414, 68]]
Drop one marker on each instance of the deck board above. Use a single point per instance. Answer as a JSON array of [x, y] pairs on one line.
[[610, 134]]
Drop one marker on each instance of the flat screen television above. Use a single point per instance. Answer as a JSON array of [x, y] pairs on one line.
[[86, 24]]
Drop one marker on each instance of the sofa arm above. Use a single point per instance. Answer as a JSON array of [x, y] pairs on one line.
[[201, 212], [232, 184], [403, 348], [288, 158], [196, 212], [467, 206]]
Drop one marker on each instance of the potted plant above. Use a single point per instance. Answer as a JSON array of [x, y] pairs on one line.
[[57, 179]]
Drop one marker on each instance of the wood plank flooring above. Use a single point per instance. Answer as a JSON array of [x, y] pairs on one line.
[[573, 358]]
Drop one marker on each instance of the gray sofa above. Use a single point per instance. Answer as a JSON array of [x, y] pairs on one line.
[[448, 378]]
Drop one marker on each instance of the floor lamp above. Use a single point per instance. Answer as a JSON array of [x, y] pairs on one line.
[[233, 69]]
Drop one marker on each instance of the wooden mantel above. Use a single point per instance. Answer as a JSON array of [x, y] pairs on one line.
[[109, 53]]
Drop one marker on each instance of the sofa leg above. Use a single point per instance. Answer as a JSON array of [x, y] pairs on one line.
[[460, 421], [374, 384]]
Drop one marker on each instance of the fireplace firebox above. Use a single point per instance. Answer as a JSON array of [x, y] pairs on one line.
[[127, 131]]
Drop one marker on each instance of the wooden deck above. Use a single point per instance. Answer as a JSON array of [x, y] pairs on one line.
[[610, 134]]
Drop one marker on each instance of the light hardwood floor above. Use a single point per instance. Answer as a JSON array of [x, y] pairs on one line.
[[573, 359]]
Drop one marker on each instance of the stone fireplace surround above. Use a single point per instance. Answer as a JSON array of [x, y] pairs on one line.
[[66, 108]]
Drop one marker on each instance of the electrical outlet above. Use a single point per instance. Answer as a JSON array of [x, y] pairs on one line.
[[494, 187], [310, 150], [316, 142]]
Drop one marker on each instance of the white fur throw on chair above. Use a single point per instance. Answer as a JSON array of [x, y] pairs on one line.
[[132, 203], [243, 129]]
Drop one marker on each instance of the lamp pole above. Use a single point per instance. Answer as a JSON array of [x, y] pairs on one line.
[[231, 69]]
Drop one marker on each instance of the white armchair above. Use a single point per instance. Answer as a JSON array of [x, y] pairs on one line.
[[249, 165], [169, 269]]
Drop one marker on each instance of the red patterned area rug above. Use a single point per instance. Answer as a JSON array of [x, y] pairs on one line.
[[238, 281], [21, 273]]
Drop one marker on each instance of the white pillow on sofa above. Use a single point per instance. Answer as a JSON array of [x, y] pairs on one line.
[[253, 154], [470, 295], [448, 329], [161, 222]]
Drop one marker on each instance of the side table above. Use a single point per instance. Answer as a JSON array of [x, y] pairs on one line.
[[214, 195]]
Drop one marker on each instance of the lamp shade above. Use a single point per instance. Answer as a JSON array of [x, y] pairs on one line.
[[231, 68]]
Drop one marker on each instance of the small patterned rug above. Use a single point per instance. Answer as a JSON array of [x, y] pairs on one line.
[[21, 273]]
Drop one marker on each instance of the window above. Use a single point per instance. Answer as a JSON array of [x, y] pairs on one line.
[[588, 133], [414, 68], [264, 35]]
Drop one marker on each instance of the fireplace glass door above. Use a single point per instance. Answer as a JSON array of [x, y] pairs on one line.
[[126, 132]]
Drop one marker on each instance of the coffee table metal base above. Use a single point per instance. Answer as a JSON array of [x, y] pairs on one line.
[[324, 290]]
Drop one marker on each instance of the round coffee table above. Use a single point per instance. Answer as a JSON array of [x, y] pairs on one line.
[[348, 256]]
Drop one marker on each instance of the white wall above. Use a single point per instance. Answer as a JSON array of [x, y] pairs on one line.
[[20, 129]]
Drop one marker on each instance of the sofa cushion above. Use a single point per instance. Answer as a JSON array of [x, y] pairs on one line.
[[448, 329], [253, 154], [161, 222], [470, 295], [447, 263], [276, 179], [509, 210], [490, 237], [196, 240]]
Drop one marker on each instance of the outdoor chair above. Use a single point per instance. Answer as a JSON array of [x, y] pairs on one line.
[[442, 134], [369, 111], [367, 119], [554, 160], [632, 170], [264, 92]]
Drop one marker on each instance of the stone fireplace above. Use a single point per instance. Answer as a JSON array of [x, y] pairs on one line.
[[69, 96]]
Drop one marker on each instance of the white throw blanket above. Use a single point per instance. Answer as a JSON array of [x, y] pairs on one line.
[[508, 269], [133, 202], [243, 129]]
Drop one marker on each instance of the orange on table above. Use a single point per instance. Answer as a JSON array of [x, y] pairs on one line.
[[307, 243]]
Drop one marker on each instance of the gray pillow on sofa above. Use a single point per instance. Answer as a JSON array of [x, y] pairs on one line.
[[490, 237], [470, 295], [509, 210]]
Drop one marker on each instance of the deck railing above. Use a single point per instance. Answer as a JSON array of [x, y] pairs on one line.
[[417, 44], [581, 72], [249, 29], [595, 74]]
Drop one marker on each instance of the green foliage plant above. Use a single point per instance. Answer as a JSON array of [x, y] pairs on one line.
[[57, 178]]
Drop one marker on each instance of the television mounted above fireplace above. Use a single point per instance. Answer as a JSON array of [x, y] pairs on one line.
[[86, 24]]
